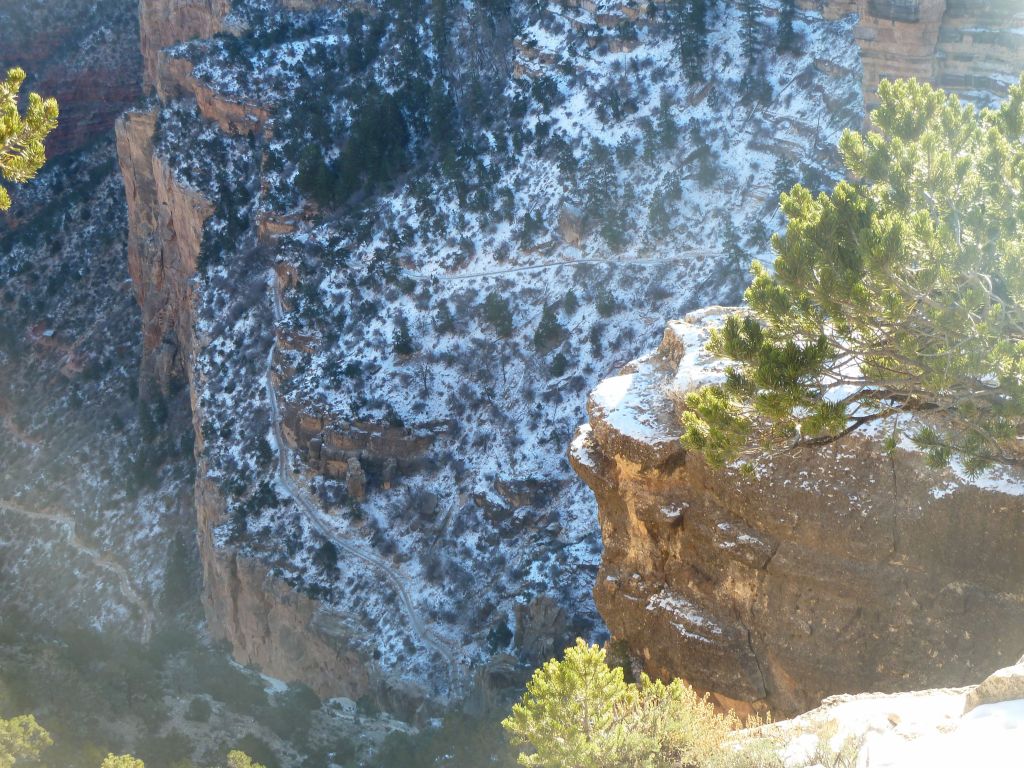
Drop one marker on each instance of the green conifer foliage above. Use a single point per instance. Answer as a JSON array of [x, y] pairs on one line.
[[579, 713], [22, 740], [901, 292], [569, 711], [22, 152]]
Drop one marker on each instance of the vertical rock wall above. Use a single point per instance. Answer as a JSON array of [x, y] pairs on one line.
[[966, 46], [165, 22], [165, 222]]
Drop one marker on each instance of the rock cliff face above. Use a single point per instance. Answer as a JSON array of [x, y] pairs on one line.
[[966, 46], [175, 81], [165, 234], [749, 586], [165, 22], [267, 622]]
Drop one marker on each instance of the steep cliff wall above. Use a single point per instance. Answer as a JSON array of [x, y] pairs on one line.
[[828, 572], [967, 46], [174, 80], [165, 234], [166, 22], [268, 622]]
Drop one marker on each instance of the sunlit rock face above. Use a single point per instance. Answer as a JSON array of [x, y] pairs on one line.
[[832, 571], [969, 47], [165, 22]]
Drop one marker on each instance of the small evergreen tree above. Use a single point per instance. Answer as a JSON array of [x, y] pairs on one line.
[[750, 32], [401, 338], [549, 332], [22, 739], [901, 292], [707, 168], [579, 713], [22, 152], [688, 22], [498, 314], [786, 37]]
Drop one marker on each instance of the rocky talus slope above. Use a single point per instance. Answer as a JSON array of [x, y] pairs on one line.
[[832, 571]]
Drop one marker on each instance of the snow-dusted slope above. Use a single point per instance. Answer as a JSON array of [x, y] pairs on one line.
[[469, 303]]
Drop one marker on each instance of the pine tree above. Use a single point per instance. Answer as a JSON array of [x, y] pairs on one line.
[[707, 167], [693, 41], [579, 713], [569, 711], [22, 739], [897, 297], [786, 37], [122, 761], [22, 152], [401, 339], [549, 331], [750, 33], [498, 314]]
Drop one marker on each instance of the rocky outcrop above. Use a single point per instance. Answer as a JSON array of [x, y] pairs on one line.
[[329, 447], [165, 220], [165, 22], [175, 81], [1006, 684], [965, 46], [841, 570]]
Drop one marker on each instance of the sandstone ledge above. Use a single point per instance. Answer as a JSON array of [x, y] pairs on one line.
[[835, 571]]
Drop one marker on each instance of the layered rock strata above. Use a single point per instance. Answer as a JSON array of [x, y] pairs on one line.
[[966, 46], [165, 22], [834, 571]]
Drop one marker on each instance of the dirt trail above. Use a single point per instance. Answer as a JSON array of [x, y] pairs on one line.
[[102, 559], [318, 521]]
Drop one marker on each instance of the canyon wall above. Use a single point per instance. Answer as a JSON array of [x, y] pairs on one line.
[[834, 571], [268, 623], [84, 55], [970, 47], [165, 22], [165, 221]]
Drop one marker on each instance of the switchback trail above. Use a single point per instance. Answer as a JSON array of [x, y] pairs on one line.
[[679, 256], [316, 518]]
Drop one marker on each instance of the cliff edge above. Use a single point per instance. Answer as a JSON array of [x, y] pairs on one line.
[[841, 570]]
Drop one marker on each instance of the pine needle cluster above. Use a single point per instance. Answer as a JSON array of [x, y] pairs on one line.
[[22, 152], [899, 294]]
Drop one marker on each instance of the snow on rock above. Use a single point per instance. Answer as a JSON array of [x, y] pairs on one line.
[[904, 730]]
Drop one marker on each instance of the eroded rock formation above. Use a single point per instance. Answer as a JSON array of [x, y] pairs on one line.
[[966, 46], [165, 22], [836, 571], [165, 221]]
